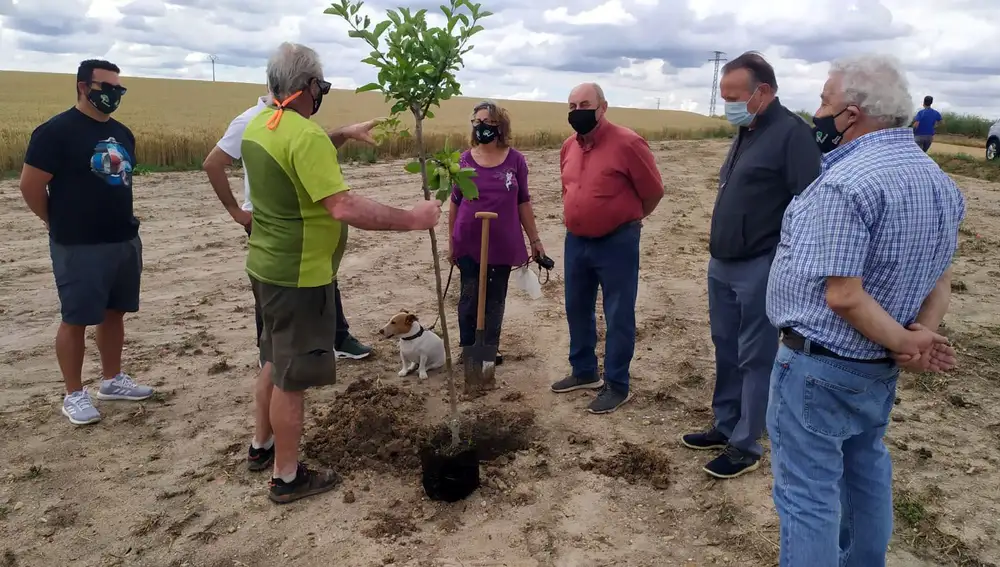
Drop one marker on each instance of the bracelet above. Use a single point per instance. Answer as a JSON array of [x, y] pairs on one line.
[[536, 241]]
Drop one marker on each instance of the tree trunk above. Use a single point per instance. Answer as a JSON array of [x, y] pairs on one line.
[[452, 393]]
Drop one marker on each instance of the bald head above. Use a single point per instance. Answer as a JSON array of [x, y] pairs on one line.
[[587, 95], [587, 99]]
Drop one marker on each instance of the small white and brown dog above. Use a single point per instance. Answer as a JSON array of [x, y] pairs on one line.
[[419, 348]]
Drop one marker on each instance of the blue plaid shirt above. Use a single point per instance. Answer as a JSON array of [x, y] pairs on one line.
[[882, 211]]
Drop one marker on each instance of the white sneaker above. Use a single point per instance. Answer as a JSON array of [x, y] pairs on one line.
[[80, 409], [122, 387]]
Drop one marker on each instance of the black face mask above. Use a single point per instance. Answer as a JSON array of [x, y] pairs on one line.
[[826, 133], [485, 133], [107, 99], [583, 120]]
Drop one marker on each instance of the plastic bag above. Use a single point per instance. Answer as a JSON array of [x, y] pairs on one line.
[[527, 280]]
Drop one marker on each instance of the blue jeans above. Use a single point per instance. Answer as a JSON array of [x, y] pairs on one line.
[[611, 262], [832, 472], [745, 345]]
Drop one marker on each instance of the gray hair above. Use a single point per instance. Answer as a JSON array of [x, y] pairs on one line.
[[877, 85], [291, 68]]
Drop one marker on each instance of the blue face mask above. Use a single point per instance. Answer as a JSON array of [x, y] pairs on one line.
[[738, 114]]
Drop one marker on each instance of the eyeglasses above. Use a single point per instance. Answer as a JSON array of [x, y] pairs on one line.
[[477, 122], [110, 88]]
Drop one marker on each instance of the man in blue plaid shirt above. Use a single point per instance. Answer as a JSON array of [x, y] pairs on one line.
[[859, 285]]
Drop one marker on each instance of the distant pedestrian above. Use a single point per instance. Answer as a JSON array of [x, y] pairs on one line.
[[773, 157], [860, 284], [502, 181], [301, 210], [925, 124], [610, 182], [77, 178]]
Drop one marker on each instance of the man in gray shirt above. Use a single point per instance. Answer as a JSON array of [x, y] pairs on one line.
[[773, 157]]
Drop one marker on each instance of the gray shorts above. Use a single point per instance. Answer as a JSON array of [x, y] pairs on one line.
[[94, 278], [924, 141], [299, 326]]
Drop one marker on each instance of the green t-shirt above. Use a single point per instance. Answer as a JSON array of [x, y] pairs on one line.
[[294, 241]]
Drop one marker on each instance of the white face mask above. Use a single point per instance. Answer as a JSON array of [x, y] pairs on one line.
[[526, 280]]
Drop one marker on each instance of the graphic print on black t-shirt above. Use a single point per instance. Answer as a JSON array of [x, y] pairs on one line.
[[112, 163], [91, 163]]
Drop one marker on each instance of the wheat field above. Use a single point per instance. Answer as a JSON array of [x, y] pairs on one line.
[[176, 122]]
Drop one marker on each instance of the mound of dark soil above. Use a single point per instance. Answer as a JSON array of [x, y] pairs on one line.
[[635, 464], [492, 432], [369, 427], [383, 428]]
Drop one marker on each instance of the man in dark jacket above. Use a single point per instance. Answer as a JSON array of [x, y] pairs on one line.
[[773, 157]]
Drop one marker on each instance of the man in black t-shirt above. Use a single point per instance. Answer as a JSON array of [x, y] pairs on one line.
[[84, 158]]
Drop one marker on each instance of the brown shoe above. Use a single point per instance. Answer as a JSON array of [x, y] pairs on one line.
[[307, 482]]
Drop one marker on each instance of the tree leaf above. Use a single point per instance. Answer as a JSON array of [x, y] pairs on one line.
[[428, 114], [413, 167], [369, 87], [381, 27], [468, 188], [442, 194]]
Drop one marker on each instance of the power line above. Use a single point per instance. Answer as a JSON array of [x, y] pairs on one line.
[[213, 58], [715, 80]]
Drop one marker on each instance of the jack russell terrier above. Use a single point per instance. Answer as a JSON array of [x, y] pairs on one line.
[[419, 348]]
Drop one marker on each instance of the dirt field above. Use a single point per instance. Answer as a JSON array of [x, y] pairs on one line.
[[978, 152], [164, 483]]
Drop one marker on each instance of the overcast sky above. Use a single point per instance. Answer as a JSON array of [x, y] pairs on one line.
[[641, 51]]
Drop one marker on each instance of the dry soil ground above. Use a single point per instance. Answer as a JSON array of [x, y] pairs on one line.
[[163, 483]]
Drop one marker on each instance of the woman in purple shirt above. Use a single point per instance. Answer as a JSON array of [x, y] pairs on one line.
[[502, 181]]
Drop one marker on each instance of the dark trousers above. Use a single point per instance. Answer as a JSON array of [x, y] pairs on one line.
[[612, 263], [745, 346], [343, 328], [497, 278], [93, 278]]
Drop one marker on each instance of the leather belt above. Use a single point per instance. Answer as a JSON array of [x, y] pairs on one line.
[[798, 343]]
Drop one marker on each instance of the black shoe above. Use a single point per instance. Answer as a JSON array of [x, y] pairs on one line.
[[499, 359], [732, 463], [711, 439], [571, 383], [307, 482], [260, 459], [608, 400]]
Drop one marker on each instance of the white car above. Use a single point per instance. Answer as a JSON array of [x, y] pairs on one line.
[[993, 142]]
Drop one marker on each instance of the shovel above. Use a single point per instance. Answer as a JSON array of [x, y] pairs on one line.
[[480, 359]]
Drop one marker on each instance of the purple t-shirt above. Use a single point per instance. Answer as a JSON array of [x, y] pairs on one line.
[[501, 190]]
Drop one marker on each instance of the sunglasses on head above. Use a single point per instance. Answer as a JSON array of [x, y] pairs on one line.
[[108, 87]]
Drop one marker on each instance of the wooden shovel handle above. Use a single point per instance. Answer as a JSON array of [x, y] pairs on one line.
[[484, 256]]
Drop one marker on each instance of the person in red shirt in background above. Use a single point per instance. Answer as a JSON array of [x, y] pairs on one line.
[[610, 182]]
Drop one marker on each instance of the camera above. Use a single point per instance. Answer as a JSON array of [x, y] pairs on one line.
[[545, 262]]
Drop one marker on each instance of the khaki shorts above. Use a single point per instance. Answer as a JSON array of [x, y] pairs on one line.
[[299, 328]]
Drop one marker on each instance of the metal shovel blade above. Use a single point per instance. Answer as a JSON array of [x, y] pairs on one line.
[[479, 361]]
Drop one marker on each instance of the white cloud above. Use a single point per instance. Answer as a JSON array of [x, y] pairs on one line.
[[643, 52], [611, 12]]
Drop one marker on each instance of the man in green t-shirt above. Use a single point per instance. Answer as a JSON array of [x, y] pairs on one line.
[[301, 210]]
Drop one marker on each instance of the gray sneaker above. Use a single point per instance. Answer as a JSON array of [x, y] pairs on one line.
[[122, 387], [571, 383], [80, 409], [608, 400]]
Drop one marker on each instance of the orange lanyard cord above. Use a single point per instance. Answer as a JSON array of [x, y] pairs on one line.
[[272, 123]]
